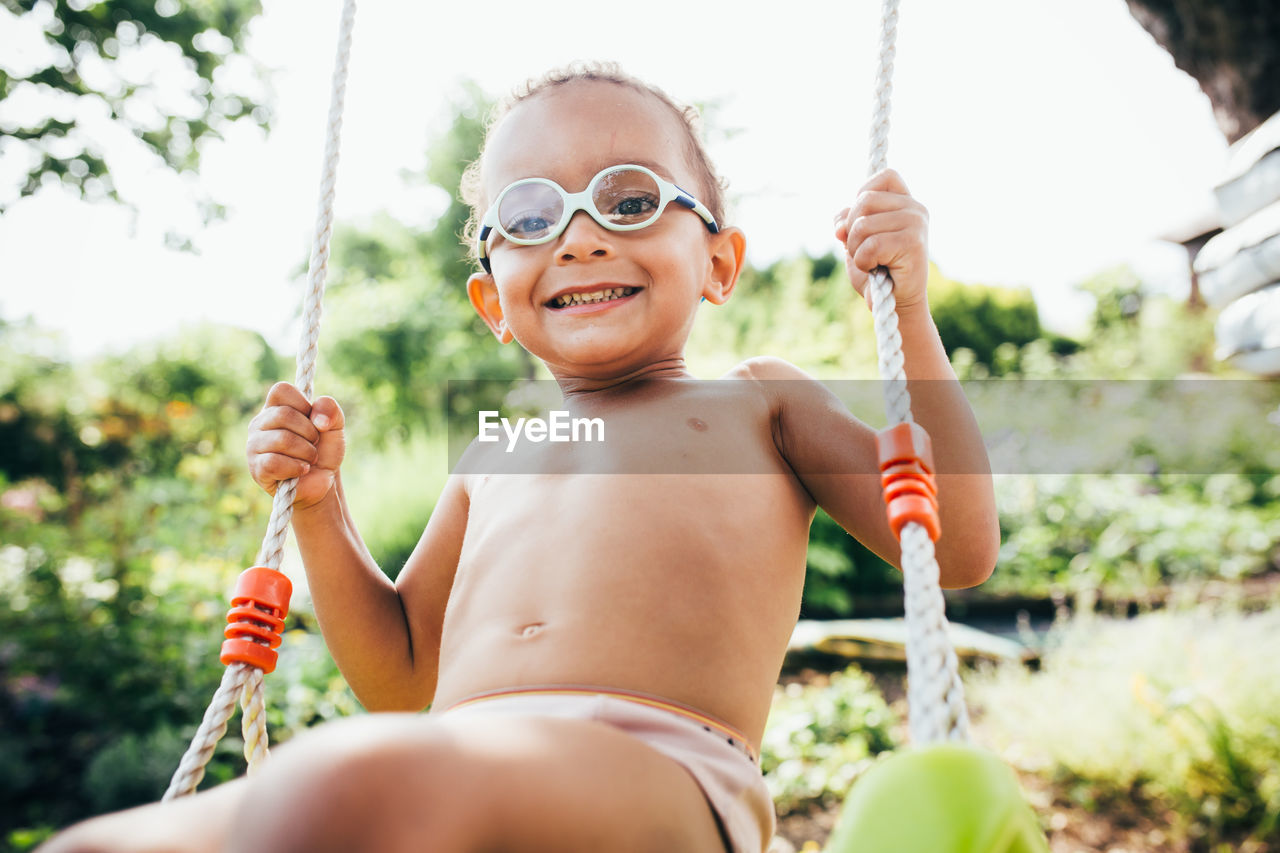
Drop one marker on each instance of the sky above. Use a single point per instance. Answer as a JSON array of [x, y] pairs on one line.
[[1049, 141]]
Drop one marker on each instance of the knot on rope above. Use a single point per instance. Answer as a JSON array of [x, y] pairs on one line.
[[906, 476], [259, 604]]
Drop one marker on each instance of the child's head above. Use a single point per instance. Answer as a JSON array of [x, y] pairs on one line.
[[615, 290], [708, 186]]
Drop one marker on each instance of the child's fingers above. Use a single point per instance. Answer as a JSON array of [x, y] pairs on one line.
[[278, 454], [284, 418], [269, 469], [327, 415], [871, 203], [281, 442], [285, 409], [863, 227], [841, 223], [286, 394], [875, 201], [331, 449], [888, 181], [885, 227], [858, 279], [293, 438], [885, 249], [886, 239]]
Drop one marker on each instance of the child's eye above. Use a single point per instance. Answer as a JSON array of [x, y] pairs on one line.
[[528, 227], [634, 208]]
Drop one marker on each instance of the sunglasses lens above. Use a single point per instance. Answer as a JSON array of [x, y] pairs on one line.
[[529, 211], [627, 197]]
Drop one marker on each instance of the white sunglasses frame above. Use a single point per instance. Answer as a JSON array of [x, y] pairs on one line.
[[573, 202]]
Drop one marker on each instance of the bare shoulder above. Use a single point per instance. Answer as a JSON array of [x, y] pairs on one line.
[[766, 367], [478, 459], [788, 388], [784, 385]]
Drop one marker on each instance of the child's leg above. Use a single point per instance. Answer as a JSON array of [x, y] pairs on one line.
[[410, 783], [197, 824]]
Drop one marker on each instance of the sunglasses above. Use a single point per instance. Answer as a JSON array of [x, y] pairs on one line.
[[619, 198]]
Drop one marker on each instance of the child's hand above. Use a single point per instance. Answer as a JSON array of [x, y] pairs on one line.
[[886, 227], [293, 438]]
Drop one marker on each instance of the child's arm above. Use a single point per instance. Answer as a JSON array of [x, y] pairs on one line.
[[827, 446], [385, 637]]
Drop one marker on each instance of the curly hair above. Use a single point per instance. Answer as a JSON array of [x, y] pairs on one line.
[[712, 186]]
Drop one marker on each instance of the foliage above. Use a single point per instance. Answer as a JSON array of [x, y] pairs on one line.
[[987, 321], [114, 569], [401, 324], [84, 435], [391, 493], [39, 431], [842, 572], [1132, 334], [160, 71], [1164, 494], [803, 309], [820, 737], [1133, 536], [94, 659], [1175, 714]]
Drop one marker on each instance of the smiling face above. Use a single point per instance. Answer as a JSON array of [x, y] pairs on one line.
[[595, 303]]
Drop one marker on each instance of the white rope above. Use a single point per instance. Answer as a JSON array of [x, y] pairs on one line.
[[935, 695], [243, 682]]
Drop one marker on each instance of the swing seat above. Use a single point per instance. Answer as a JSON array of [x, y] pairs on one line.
[[941, 798]]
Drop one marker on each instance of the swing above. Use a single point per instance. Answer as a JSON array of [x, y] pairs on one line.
[[941, 795]]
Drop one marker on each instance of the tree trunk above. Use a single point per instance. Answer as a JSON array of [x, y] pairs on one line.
[[1231, 47]]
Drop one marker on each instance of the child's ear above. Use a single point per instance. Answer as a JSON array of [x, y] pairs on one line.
[[483, 292], [728, 254]]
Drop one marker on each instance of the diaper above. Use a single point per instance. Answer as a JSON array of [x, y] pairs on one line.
[[716, 755]]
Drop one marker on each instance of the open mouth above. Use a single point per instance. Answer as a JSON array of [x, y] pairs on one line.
[[592, 297]]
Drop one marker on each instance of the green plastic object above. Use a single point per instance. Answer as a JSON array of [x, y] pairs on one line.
[[942, 798]]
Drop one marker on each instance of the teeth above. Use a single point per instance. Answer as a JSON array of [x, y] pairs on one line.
[[595, 296]]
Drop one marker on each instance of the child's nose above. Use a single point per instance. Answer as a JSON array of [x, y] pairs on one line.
[[583, 238]]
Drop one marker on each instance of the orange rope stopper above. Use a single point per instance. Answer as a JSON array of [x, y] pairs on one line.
[[258, 607], [906, 475]]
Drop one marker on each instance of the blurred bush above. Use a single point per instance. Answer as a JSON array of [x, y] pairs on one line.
[[1132, 536], [1173, 715], [125, 515], [821, 736]]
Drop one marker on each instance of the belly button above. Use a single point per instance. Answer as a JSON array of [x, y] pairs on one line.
[[533, 629]]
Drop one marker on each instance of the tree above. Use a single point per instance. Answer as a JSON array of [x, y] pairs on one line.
[[983, 318], [1231, 47], [156, 68], [400, 325]]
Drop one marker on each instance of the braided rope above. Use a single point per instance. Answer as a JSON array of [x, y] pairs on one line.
[[935, 694], [242, 683]]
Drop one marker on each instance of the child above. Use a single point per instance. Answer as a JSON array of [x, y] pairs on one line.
[[598, 652]]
